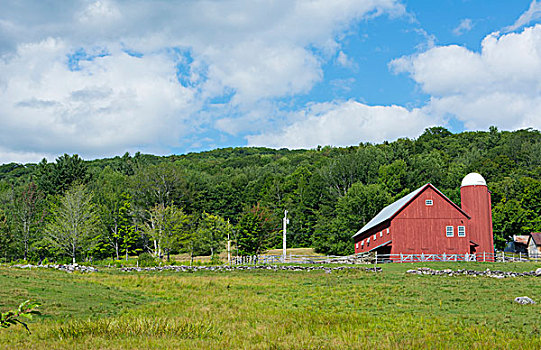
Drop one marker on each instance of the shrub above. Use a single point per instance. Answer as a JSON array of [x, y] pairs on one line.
[[146, 260], [64, 261], [215, 260]]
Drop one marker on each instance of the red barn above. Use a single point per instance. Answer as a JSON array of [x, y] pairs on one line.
[[427, 222]]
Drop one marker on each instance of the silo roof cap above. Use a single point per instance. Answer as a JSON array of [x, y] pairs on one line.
[[473, 179]]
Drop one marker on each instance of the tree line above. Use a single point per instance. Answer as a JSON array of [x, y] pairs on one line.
[[77, 210]]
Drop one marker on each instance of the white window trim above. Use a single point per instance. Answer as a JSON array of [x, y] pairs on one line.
[[387, 231], [375, 236], [381, 234], [463, 233], [451, 232], [429, 202]]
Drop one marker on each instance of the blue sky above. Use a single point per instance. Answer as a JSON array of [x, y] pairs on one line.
[[102, 77]]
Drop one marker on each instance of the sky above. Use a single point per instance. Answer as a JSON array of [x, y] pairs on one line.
[[100, 78]]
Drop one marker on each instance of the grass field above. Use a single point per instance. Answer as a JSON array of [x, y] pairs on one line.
[[275, 310]]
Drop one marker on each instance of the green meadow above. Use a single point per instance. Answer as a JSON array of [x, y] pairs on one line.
[[275, 310]]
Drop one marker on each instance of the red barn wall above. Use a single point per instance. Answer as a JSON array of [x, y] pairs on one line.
[[382, 232], [419, 228]]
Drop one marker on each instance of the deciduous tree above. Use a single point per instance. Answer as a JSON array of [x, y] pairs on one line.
[[29, 212], [256, 231], [74, 222], [167, 229]]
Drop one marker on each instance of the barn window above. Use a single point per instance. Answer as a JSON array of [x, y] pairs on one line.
[[368, 241], [375, 236], [429, 202], [449, 232], [362, 243], [387, 231], [381, 234], [461, 231]]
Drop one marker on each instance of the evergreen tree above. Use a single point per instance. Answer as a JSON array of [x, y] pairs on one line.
[[58, 177], [6, 238], [126, 230]]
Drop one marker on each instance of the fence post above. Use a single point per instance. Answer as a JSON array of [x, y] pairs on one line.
[[484, 256], [503, 256], [376, 255], [401, 258]]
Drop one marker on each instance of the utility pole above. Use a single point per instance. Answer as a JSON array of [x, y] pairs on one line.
[[228, 244], [284, 244]]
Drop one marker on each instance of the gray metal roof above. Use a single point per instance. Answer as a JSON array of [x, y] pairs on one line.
[[387, 212]]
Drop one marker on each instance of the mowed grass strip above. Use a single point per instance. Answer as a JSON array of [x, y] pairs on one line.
[[63, 295], [304, 310]]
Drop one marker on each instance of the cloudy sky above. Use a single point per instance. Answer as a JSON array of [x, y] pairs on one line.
[[102, 77]]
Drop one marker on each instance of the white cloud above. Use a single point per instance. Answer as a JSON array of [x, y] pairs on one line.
[[257, 71], [532, 14], [343, 60], [465, 26], [346, 123], [9, 156], [99, 12], [113, 103], [250, 51], [500, 85], [430, 39]]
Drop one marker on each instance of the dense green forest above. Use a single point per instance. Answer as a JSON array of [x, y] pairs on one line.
[[87, 210]]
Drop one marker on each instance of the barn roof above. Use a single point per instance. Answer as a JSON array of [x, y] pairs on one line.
[[521, 239], [536, 236], [392, 209]]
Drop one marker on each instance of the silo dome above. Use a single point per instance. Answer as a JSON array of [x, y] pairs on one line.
[[473, 179]]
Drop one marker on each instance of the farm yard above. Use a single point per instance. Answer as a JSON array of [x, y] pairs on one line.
[[266, 309], [353, 174]]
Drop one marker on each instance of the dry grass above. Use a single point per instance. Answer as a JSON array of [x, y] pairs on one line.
[[294, 251], [223, 255]]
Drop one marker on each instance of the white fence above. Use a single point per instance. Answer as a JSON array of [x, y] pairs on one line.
[[375, 258], [290, 259]]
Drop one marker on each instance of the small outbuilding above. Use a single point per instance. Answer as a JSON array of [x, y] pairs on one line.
[[519, 244], [534, 245]]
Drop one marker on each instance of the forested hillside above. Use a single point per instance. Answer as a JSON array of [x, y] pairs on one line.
[[75, 209]]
